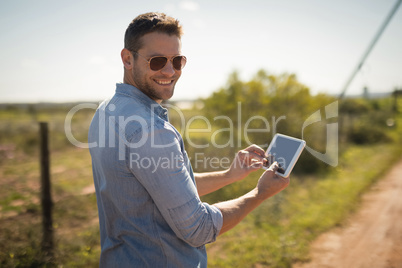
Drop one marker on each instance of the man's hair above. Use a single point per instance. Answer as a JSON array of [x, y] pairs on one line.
[[148, 23]]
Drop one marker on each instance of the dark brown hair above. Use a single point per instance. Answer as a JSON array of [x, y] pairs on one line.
[[148, 23]]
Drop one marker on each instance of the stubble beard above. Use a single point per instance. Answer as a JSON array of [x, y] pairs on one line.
[[148, 89]]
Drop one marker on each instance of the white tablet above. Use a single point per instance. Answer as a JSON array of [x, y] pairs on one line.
[[285, 150]]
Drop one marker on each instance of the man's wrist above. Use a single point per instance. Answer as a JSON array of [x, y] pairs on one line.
[[232, 175], [260, 195]]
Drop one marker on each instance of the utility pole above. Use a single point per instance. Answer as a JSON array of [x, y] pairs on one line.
[[370, 47]]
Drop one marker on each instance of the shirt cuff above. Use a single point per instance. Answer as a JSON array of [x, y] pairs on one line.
[[217, 218]]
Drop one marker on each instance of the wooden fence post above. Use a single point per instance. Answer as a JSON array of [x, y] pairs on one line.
[[46, 198]]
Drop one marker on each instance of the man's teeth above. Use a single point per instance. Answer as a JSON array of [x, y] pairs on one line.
[[163, 82]]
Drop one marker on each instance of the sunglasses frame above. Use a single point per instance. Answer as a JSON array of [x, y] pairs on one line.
[[167, 59]]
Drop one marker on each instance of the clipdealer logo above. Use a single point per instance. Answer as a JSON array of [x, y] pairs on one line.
[[107, 135], [330, 156]]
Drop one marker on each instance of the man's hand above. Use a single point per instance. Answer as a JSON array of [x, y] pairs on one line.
[[246, 161], [270, 183], [250, 159]]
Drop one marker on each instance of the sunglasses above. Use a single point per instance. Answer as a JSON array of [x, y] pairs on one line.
[[158, 62]]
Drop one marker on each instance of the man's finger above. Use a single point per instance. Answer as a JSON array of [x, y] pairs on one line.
[[257, 150], [255, 164], [274, 166]]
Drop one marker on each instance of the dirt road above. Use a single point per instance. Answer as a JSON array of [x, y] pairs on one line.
[[372, 237]]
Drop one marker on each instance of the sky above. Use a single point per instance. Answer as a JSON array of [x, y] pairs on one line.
[[63, 51]]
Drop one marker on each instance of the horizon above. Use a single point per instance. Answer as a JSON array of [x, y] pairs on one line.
[[371, 95]]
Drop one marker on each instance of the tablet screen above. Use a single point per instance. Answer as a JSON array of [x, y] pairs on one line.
[[285, 150]]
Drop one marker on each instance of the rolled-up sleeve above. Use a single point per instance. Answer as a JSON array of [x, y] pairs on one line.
[[162, 167]]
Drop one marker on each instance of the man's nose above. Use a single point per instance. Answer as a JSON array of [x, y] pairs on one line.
[[168, 69]]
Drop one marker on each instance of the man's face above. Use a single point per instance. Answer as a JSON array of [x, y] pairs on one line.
[[158, 85]]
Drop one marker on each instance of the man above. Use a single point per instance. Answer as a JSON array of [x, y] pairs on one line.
[[150, 213]]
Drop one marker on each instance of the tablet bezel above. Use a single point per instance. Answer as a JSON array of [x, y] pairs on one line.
[[295, 157]]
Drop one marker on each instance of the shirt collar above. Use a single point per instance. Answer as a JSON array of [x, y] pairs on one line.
[[135, 93]]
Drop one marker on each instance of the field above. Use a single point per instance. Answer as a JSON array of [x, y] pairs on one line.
[[75, 222], [277, 234]]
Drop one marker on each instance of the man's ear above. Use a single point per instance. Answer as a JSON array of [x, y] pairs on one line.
[[127, 58]]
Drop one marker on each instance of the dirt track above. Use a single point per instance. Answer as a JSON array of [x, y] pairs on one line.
[[372, 237]]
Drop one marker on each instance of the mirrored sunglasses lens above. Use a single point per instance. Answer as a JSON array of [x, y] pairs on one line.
[[157, 63]]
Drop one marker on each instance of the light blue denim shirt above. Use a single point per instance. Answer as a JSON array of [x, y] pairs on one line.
[[150, 214]]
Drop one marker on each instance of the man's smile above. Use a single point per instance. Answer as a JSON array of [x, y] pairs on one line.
[[163, 82]]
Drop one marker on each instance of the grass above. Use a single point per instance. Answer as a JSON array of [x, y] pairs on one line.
[[75, 222], [279, 232]]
